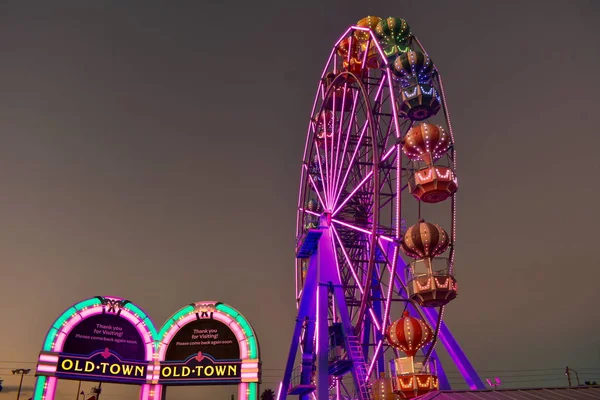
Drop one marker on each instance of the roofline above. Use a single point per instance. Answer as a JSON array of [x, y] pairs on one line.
[[524, 388]]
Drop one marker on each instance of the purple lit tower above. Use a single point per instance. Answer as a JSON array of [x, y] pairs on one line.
[[379, 147]]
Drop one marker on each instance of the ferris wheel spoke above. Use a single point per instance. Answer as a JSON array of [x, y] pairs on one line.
[[356, 188], [340, 188], [325, 198], [348, 133], [361, 230], [378, 348], [314, 186], [348, 261], [388, 300], [327, 182]]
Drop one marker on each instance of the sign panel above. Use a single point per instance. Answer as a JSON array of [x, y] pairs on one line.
[[102, 331], [204, 351], [207, 336], [103, 366], [200, 369]]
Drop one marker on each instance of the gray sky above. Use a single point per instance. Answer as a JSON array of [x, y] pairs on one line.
[[152, 151]]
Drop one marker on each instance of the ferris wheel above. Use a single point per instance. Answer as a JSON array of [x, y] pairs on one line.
[[376, 225]]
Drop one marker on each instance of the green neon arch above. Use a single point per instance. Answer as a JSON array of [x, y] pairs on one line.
[[61, 321], [147, 329], [225, 309], [234, 315]]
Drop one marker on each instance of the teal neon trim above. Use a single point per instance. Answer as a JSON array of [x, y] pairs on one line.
[[247, 329], [60, 321], [145, 318], [253, 393], [49, 341], [39, 388], [178, 315], [87, 303]]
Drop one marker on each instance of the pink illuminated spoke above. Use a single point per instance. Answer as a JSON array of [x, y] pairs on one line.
[[325, 199], [360, 185], [341, 186], [374, 358], [388, 153], [362, 230], [348, 261], [357, 280], [351, 162], [314, 186], [348, 133]]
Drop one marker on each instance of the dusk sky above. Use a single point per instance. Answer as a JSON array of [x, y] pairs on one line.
[[151, 150]]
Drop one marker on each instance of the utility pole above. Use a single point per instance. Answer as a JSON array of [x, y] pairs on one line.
[[97, 390], [20, 371], [78, 390], [568, 373]]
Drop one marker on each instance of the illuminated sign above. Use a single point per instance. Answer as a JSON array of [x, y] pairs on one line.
[[106, 330], [102, 366], [205, 336], [108, 339], [200, 369]]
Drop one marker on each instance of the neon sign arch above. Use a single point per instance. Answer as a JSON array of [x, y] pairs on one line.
[[49, 361], [247, 343]]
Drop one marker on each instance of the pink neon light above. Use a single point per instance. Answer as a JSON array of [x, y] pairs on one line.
[[174, 329], [89, 312], [314, 185], [374, 359], [354, 275], [237, 331], [168, 338], [74, 320], [374, 319], [46, 368], [129, 316], [388, 300], [381, 53], [279, 390], [243, 391], [250, 375], [156, 392], [249, 365], [365, 179], [186, 320], [50, 388], [337, 264], [364, 129], [317, 323], [310, 212], [59, 341], [322, 178], [145, 391], [393, 100], [320, 88], [356, 228], [364, 60], [350, 125], [328, 186], [388, 153], [48, 358]]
